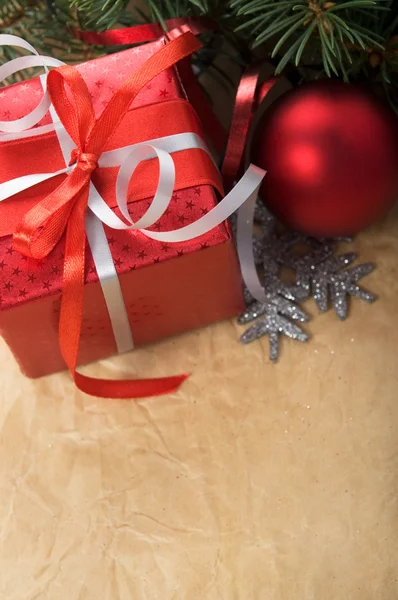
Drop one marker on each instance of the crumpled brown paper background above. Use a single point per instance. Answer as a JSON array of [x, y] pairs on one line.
[[254, 482]]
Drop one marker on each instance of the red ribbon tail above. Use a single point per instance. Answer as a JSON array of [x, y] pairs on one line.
[[129, 388], [71, 320]]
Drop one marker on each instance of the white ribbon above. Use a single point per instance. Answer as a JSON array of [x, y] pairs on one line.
[[242, 196]]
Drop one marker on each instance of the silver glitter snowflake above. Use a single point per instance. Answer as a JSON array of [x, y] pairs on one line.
[[330, 279], [318, 273], [277, 317]]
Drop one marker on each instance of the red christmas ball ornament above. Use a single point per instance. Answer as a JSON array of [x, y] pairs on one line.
[[331, 155]]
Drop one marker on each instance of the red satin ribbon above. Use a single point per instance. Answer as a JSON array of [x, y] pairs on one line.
[[248, 98], [193, 167], [146, 33], [64, 209], [139, 34]]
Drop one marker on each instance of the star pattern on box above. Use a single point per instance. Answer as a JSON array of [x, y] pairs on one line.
[[103, 76], [23, 279]]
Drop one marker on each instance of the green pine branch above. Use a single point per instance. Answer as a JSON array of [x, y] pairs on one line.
[[33, 21], [100, 14], [292, 26], [348, 39]]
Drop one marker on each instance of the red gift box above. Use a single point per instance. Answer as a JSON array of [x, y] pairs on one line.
[[167, 288]]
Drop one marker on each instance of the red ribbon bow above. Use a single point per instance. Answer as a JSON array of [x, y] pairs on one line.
[[64, 209]]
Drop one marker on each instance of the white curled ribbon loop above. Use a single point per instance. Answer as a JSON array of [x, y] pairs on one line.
[[242, 196], [160, 201], [19, 64]]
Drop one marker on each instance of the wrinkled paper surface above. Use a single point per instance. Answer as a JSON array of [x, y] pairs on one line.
[[254, 482]]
